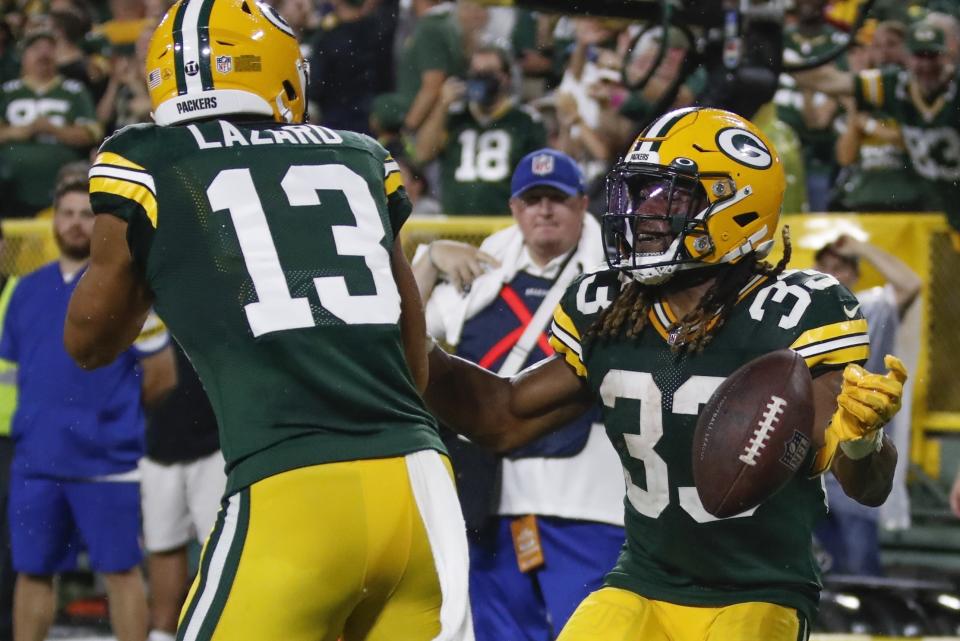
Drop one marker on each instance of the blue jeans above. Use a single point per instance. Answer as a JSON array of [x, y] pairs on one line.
[[509, 605], [853, 543]]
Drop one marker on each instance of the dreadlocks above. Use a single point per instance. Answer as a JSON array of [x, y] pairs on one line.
[[630, 310]]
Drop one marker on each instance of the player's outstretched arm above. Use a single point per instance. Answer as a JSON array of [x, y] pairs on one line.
[[413, 326], [499, 413], [855, 405], [111, 301]]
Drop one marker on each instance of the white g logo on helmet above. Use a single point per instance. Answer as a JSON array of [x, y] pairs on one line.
[[743, 147]]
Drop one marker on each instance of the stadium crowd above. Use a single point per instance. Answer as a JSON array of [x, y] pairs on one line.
[[460, 93]]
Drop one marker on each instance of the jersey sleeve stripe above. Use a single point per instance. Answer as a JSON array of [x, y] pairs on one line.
[[569, 356], [828, 332], [129, 190], [564, 322], [390, 166], [109, 158], [139, 177], [872, 86], [816, 349], [843, 356], [393, 182], [566, 339]]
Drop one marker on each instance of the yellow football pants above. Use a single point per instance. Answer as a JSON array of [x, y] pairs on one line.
[[371, 549], [612, 614]]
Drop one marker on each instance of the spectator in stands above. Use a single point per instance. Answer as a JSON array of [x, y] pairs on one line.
[[951, 31], [849, 534], [45, 122], [888, 46], [346, 70], [602, 143], [875, 173], [182, 482], [128, 19], [809, 112], [478, 132], [924, 100], [433, 53], [9, 65], [416, 184], [8, 401], [126, 100], [78, 436], [527, 573], [70, 26]]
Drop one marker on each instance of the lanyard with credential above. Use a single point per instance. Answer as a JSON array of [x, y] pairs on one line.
[[518, 355]]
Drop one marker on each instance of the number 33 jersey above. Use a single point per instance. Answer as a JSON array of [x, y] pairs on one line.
[[267, 247], [651, 395]]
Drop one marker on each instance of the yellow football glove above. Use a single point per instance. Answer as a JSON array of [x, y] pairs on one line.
[[865, 404]]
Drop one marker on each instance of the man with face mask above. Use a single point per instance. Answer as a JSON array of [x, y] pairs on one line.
[[479, 134]]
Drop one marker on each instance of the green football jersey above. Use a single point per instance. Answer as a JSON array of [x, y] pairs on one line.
[[267, 248], [931, 131], [651, 395], [30, 167], [818, 144], [479, 158]]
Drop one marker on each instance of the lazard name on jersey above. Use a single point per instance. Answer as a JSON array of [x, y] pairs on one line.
[[651, 395], [231, 135]]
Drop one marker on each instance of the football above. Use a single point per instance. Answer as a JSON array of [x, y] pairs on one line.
[[753, 434]]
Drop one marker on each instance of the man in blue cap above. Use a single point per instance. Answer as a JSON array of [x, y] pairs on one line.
[[528, 514]]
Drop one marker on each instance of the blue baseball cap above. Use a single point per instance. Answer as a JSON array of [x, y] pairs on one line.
[[547, 168]]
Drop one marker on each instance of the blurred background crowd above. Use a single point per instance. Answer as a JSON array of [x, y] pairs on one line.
[[459, 92]]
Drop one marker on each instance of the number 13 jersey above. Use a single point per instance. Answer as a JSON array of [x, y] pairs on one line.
[[651, 395], [267, 247]]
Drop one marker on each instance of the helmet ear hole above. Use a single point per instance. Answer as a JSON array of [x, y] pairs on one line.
[[290, 91], [246, 8], [746, 218]]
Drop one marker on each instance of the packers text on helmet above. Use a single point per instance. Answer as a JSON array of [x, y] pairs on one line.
[[211, 58]]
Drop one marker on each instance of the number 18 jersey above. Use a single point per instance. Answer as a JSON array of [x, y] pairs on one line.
[[267, 247], [651, 396]]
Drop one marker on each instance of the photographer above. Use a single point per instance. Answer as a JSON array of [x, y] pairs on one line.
[[479, 140]]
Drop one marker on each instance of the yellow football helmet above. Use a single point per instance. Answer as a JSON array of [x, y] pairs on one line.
[[219, 57], [698, 188]]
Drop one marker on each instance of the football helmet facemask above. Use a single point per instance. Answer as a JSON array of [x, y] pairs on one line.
[[219, 57], [698, 188]]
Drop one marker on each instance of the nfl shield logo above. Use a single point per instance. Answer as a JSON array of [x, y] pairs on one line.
[[542, 165], [224, 64]]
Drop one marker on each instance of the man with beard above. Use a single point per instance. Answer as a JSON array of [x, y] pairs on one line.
[[77, 439]]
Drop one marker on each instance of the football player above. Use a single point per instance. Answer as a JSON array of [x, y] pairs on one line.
[[687, 299], [269, 247]]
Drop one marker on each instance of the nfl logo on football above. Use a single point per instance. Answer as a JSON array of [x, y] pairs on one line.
[[224, 64], [542, 165]]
